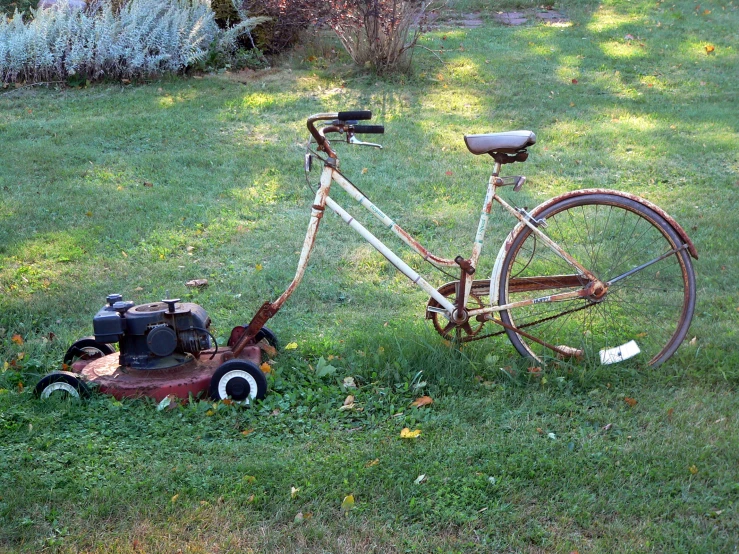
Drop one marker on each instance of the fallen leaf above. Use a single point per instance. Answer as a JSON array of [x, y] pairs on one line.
[[372, 462], [669, 414], [551, 436], [247, 432], [348, 503], [20, 355], [406, 433], [259, 267], [166, 401], [349, 382], [175, 497], [6, 365], [693, 341], [227, 401], [298, 518], [197, 283], [294, 491], [534, 370], [266, 368], [630, 401], [210, 413], [148, 184], [423, 401], [17, 339], [420, 479], [249, 479], [291, 346], [449, 173], [710, 48], [88, 214], [607, 427], [268, 349], [364, 170], [349, 400], [693, 469], [574, 81], [629, 37]]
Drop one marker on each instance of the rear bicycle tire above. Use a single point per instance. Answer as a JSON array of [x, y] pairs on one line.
[[609, 235]]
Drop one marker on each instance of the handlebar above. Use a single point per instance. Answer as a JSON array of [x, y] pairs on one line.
[[341, 122]]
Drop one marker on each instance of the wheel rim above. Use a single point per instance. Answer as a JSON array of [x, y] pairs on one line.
[[608, 236], [59, 386], [239, 385]]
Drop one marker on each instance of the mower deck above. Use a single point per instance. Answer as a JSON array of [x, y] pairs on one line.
[[193, 377]]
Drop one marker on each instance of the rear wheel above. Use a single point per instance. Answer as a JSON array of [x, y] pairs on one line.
[[649, 298], [61, 384]]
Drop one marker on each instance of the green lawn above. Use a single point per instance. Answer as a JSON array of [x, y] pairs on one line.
[[137, 189]]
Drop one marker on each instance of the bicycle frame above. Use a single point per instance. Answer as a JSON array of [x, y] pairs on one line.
[[331, 174]]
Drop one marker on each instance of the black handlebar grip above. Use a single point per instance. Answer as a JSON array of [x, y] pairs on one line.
[[369, 129], [357, 115]]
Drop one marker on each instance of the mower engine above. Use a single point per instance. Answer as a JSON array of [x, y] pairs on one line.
[[160, 335]]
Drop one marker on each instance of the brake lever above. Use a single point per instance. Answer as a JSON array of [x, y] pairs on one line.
[[351, 139]]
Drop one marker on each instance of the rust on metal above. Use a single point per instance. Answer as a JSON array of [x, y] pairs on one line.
[[191, 378], [667, 217], [422, 251], [527, 284]]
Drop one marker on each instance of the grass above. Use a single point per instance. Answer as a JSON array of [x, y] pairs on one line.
[[136, 189]]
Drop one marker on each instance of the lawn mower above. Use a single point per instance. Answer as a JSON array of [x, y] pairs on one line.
[[165, 349]]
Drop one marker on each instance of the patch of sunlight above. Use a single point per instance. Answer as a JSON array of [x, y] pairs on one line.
[[267, 188], [106, 177], [247, 134], [605, 19], [623, 50], [569, 68], [259, 100], [464, 102]]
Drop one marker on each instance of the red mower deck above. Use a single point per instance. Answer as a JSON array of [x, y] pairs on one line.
[[193, 377]]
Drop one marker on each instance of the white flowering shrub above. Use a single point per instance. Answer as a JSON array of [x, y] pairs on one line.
[[142, 37]]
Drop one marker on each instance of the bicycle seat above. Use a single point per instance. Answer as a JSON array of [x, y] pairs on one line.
[[508, 142]]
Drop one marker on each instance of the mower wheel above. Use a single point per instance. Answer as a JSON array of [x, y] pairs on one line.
[[87, 349], [61, 384], [265, 333], [240, 380]]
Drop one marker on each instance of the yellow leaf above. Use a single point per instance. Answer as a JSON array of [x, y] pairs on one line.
[[21, 355], [124, 254], [88, 214], [259, 267], [294, 491], [291, 346], [406, 433], [710, 48], [17, 339], [209, 413], [266, 368], [175, 497], [364, 170], [423, 401], [372, 462], [693, 469], [6, 365], [246, 432], [348, 503]]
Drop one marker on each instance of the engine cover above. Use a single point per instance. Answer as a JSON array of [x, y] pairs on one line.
[[159, 335]]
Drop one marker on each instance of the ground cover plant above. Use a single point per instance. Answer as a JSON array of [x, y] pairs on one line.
[[137, 189]]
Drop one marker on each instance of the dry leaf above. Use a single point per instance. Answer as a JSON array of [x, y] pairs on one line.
[[406, 433], [175, 497], [630, 401], [268, 349], [693, 469], [372, 462], [349, 400], [364, 170], [246, 432], [710, 48], [294, 491], [574, 81], [423, 401], [693, 341], [17, 339], [227, 401], [148, 184], [348, 503], [197, 283], [420, 479], [266, 368]]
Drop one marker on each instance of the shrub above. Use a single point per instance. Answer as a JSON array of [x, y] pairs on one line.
[[378, 33], [143, 37]]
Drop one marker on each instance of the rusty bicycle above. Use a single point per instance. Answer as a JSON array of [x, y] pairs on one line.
[[590, 274]]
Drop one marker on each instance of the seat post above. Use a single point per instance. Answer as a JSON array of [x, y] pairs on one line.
[[496, 169]]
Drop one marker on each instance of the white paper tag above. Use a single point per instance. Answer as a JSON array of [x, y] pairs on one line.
[[619, 353]]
